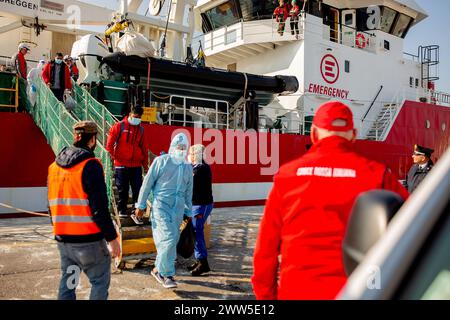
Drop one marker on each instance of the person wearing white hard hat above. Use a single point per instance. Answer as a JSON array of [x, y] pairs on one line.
[[20, 65], [19, 60]]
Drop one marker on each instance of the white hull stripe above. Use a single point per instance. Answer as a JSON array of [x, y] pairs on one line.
[[35, 199], [32, 199], [224, 192]]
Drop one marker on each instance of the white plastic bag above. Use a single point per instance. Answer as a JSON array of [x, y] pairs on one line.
[[135, 44], [69, 102]]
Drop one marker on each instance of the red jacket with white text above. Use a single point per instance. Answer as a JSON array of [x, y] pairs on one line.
[[305, 219]]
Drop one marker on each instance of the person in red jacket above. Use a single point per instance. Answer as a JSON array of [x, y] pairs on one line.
[[308, 208], [74, 73], [21, 68], [281, 14], [127, 146], [56, 76], [294, 14], [19, 61]]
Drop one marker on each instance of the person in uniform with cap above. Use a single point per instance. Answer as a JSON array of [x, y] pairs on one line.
[[308, 209], [81, 221], [20, 65], [422, 165]]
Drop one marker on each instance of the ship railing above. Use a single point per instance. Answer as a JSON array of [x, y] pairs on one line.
[[350, 37], [440, 97], [377, 129], [386, 118], [300, 126], [185, 109], [411, 57], [9, 64], [248, 32], [89, 108]]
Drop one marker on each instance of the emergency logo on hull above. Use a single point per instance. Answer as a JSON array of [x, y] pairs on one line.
[[330, 71]]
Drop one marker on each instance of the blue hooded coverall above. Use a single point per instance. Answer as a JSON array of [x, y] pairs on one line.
[[170, 181]]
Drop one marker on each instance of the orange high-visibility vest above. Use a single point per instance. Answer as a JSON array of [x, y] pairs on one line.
[[69, 204]]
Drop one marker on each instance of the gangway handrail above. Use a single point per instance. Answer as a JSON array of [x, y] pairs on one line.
[[56, 122]]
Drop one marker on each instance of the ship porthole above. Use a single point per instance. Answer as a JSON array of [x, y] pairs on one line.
[[428, 124], [444, 127]]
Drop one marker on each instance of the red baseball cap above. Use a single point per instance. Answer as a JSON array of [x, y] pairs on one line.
[[331, 111]]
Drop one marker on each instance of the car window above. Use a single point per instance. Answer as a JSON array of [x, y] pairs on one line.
[[429, 275]]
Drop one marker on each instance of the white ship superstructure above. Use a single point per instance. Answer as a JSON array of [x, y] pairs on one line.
[[346, 50]]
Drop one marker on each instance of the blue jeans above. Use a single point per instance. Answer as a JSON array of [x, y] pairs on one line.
[[124, 178], [94, 259], [199, 223]]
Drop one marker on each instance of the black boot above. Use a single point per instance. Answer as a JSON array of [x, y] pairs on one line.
[[193, 266], [201, 268]]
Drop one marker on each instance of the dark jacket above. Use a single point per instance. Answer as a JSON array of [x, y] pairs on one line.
[[202, 190], [95, 187], [416, 175]]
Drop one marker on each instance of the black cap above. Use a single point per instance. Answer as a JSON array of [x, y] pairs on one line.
[[422, 150]]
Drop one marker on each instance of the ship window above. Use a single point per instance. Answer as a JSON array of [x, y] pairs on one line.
[[224, 14], [387, 19], [347, 66], [417, 82], [361, 19], [252, 9], [411, 81], [314, 7], [401, 25], [428, 124], [443, 127], [206, 24], [348, 19]]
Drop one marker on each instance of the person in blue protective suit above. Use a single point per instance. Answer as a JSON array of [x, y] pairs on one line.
[[169, 179]]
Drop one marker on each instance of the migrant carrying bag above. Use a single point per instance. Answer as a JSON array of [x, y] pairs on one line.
[[185, 246]]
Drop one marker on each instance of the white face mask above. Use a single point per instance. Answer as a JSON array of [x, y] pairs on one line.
[[179, 155], [134, 121]]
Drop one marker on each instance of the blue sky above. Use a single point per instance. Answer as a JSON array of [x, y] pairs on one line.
[[434, 30]]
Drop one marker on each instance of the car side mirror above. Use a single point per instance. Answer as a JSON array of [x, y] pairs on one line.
[[368, 221]]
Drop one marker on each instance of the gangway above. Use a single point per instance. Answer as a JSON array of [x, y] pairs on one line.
[[56, 123]]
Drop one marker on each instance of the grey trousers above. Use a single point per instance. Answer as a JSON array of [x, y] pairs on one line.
[[94, 259]]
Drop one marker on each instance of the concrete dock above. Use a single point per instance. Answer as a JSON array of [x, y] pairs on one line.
[[30, 267]]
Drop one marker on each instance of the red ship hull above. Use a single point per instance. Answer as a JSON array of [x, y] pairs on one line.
[[26, 155]]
